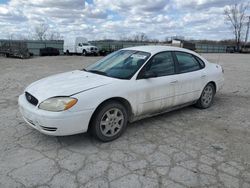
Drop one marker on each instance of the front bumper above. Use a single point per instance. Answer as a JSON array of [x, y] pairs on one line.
[[92, 51], [54, 123]]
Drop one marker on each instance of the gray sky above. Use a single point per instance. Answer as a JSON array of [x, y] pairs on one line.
[[99, 19]]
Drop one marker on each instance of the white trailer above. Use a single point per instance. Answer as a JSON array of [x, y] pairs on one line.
[[79, 45]]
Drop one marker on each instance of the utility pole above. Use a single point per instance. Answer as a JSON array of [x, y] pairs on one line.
[[248, 25]]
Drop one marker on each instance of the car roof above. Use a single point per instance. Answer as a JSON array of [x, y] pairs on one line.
[[153, 49]]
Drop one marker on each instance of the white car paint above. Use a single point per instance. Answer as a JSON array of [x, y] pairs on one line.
[[144, 96]]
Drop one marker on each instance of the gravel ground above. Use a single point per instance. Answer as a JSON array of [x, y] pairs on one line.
[[184, 148]]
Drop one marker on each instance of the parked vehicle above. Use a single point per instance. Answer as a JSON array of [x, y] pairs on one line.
[[49, 51], [14, 49], [245, 49], [127, 85], [230, 49], [79, 45]]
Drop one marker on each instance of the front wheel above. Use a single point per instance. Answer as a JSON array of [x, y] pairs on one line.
[[207, 97], [84, 53], [109, 122]]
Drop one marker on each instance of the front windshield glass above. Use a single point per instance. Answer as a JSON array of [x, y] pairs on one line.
[[122, 64]]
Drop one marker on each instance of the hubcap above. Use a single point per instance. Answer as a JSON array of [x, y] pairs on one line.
[[111, 122], [207, 95]]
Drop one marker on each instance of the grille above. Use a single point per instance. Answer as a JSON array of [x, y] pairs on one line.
[[51, 129], [31, 99]]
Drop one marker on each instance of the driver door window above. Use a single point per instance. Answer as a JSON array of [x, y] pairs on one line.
[[161, 64]]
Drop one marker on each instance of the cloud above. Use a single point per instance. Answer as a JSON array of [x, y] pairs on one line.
[[201, 4], [105, 19]]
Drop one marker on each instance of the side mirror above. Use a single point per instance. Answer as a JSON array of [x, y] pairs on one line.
[[149, 74]]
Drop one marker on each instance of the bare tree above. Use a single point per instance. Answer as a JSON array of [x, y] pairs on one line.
[[236, 16], [18, 36], [54, 35], [41, 30], [124, 38], [11, 36], [140, 37], [154, 41]]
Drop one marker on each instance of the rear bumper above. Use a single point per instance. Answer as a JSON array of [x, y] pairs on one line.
[[54, 123], [220, 83]]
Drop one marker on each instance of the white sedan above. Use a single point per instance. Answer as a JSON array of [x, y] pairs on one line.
[[125, 86]]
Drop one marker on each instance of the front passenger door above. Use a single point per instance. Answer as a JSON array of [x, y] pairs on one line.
[[155, 84], [79, 48]]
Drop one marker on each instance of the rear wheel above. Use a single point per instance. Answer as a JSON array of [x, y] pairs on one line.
[[67, 52], [207, 97], [109, 122]]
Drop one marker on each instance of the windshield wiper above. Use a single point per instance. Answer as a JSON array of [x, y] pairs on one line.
[[97, 72]]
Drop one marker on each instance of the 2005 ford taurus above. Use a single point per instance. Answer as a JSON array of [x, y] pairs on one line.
[[125, 86]]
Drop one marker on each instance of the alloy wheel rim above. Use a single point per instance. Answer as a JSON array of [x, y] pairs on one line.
[[111, 122], [207, 95]]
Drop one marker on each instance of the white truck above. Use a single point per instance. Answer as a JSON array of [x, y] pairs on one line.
[[79, 45]]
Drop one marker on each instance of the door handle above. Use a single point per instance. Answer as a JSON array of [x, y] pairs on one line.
[[203, 76], [174, 82]]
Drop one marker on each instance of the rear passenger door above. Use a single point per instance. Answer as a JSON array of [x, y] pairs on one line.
[[189, 81]]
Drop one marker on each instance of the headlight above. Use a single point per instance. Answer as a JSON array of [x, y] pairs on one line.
[[57, 104]]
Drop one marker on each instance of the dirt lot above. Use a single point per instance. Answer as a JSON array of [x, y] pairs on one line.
[[184, 148]]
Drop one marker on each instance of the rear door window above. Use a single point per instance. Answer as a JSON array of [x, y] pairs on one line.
[[187, 62]]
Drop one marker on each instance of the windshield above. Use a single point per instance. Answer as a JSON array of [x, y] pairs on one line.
[[121, 64]]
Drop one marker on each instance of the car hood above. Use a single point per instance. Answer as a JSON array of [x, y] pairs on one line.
[[66, 84], [92, 46]]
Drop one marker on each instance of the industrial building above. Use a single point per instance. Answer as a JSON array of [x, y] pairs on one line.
[[112, 45], [106, 46], [34, 46]]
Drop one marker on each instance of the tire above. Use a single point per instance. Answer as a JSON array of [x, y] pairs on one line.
[[67, 52], [207, 97], [106, 129], [84, 53]]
